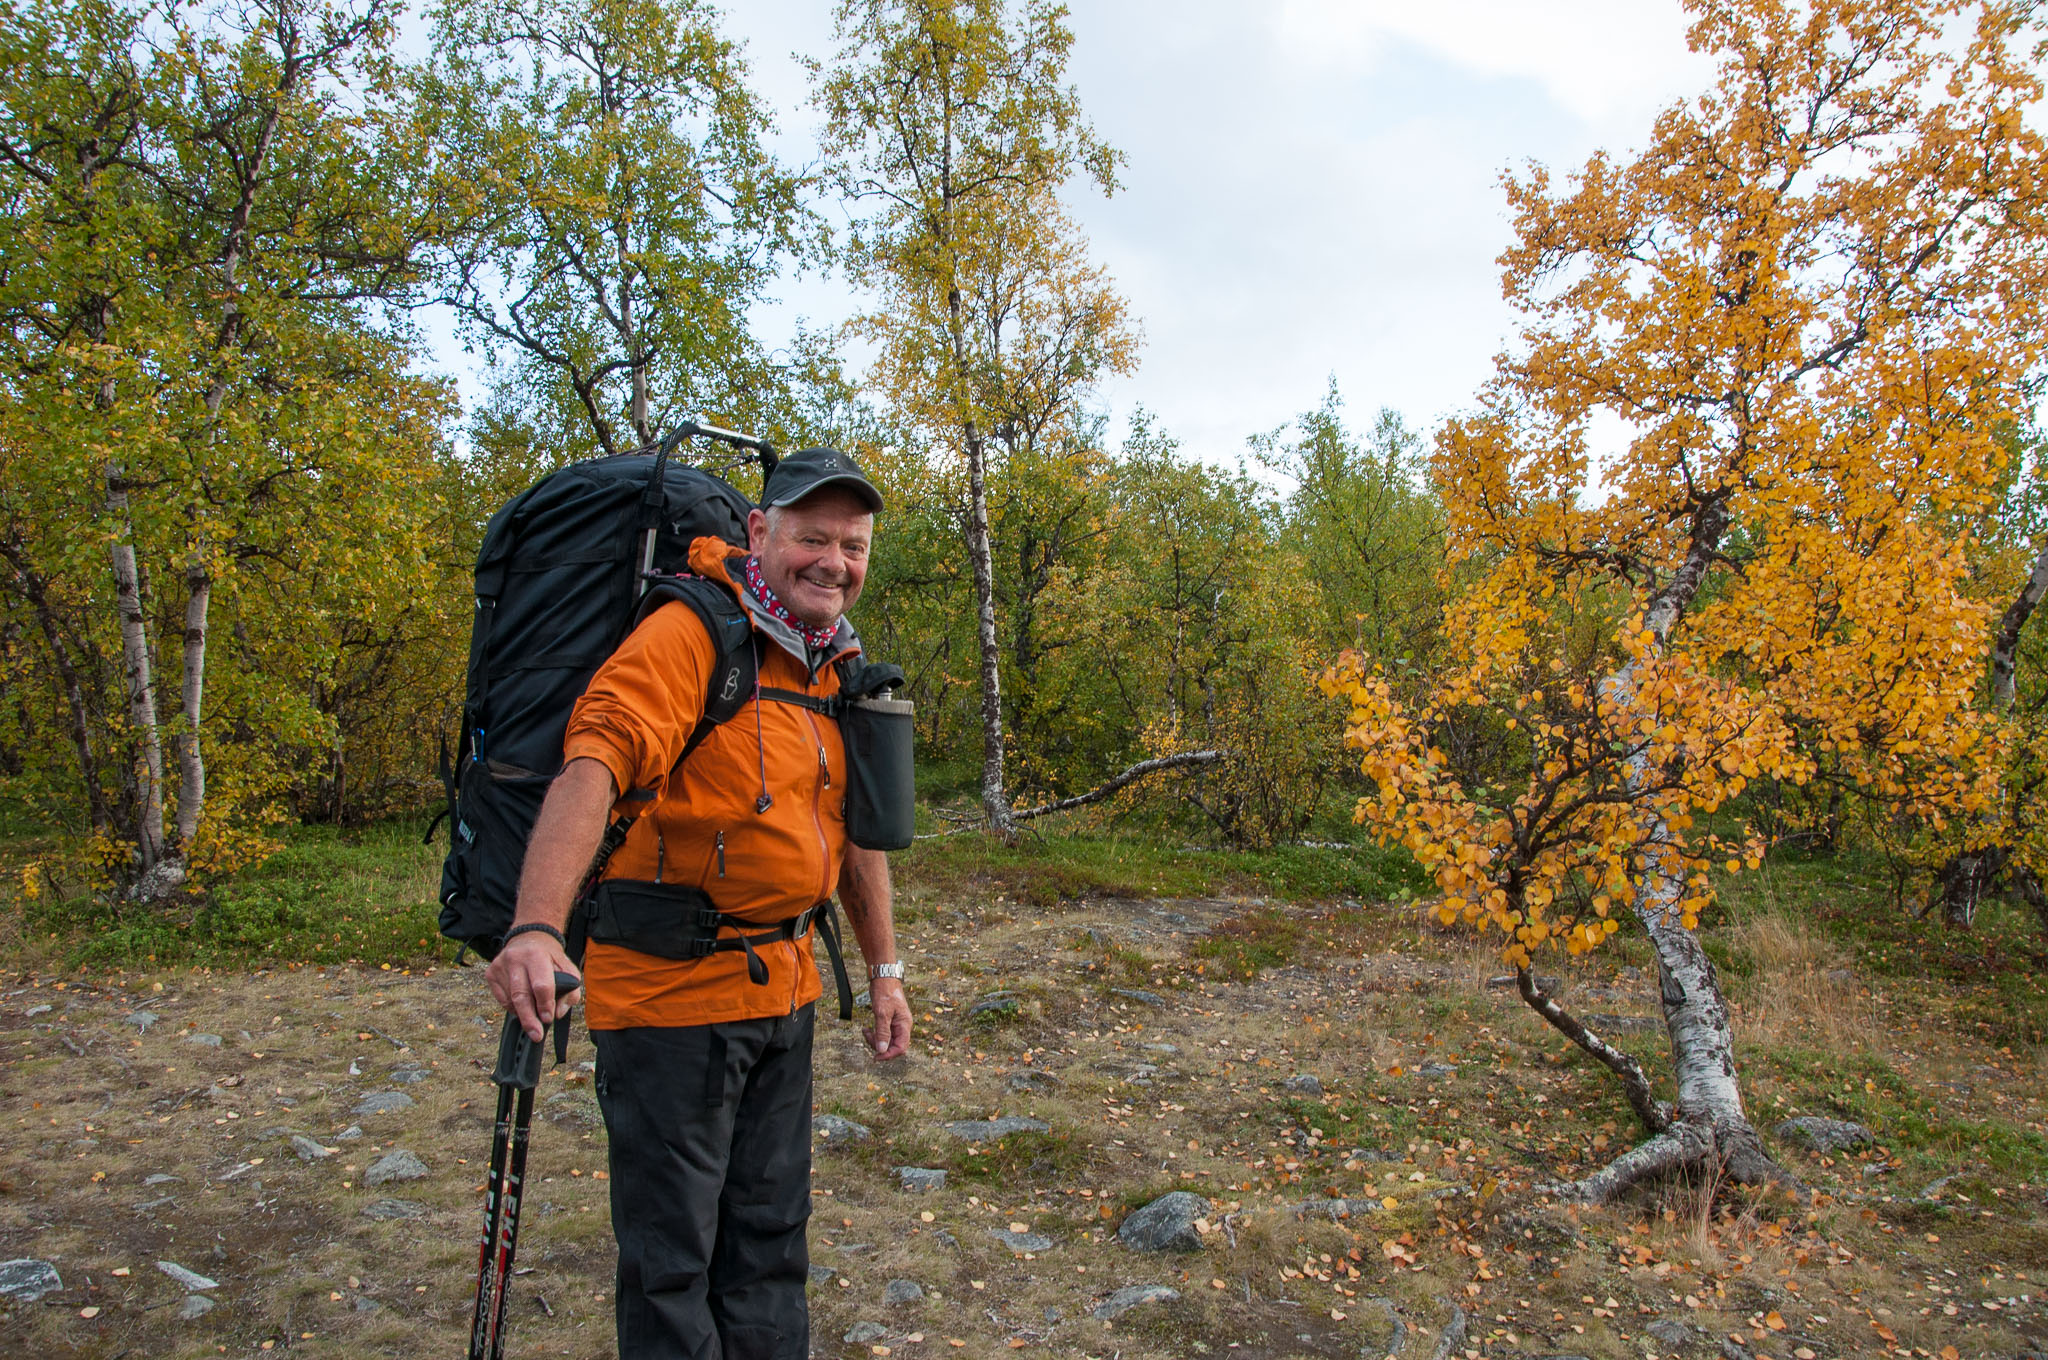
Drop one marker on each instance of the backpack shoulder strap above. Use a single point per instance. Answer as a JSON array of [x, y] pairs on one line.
[[735, 669]]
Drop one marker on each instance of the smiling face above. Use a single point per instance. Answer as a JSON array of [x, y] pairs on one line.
[[814, 554]]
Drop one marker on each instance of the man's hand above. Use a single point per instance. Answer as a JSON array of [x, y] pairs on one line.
[[889, 1036], [522, 977]]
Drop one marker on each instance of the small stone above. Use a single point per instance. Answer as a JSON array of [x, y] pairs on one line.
[[191, 1279], [43, 1009], [902, 1291], [861, 1333], [308, 1149], [1033, 1081], [349, 1134], [204, 1040], [988, 1130], [1670, 1331], [25, 1280], [383, 1102], [194, 1307], [142, 1020], [161, 1179], [1166, 1224], [1161, 1048], [1430, 1071], [1334, 1208], [365, 1304], [408, 1076], [1302, 1084], [1142, 997], [384, 1210], [1823, 1135], [836, 1131], [945, 1239], [399, 1165], [919, 1179], [992, 1006], [856, 1248], [822, 1275], [1053, 1314], [1124, 1300], [1021, 1241]]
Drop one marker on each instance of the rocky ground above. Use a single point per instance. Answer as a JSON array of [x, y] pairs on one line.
[[1125, 1128]]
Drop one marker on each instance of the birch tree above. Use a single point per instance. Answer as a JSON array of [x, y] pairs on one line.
[[621, 213], [951, 130], [1809, 305], [212, 211]]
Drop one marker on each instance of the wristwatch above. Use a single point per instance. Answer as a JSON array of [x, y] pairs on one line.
[[885, 970]]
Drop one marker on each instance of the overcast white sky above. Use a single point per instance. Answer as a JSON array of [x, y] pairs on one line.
[[1313, 185]]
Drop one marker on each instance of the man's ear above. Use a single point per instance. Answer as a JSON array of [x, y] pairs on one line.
[[757, 530]]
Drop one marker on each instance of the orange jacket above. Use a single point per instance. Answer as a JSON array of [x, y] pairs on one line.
[[703, 830]]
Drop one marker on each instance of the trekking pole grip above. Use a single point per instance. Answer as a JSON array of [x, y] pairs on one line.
[[519, 1057]]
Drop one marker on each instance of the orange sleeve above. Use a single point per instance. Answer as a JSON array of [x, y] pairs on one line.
[[639, 709]]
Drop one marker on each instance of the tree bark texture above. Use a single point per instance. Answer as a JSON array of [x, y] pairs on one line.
[[36, 590], [1707, 1122], [191, 759], [141, 690]]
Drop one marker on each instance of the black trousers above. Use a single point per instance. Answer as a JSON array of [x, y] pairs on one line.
[[710, 1129]]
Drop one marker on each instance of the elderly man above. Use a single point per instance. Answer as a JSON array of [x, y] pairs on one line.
[[704, 1063]]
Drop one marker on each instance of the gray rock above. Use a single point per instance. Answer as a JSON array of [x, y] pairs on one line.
[[1333, 1208], [861, 1333], [364, 1304], [822, 1275], [902, 1291], [921, 1178], [1302, 1084], [383, 1102], [945, 1239], [397, 1165], [384, 1210], [408, 1076], [1823, 1135], [988, 1130], [1166, 1224], [142, 1020], [194, 1307], [33, 1011], [1142, 997], [857, 1248], [309, 1149], [992, 1006], [1161, 1048], [1021, 1241], [204, 1040], [1433, 1070], [1670, 1331], [161, 1179], [25, 1280], [1031, 1080], [191, 1279], [1732, 1350], [1053, 1314], [1129, 1297], [1624, 1024], [836, 1131], [349, 1134]]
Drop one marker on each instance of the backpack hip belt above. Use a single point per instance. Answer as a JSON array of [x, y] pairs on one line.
[[672, 921]]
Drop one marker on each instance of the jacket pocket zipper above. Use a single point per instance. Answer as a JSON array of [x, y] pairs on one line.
[[718, 845]]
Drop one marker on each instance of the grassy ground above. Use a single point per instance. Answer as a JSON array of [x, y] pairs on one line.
[[1158, 1002]]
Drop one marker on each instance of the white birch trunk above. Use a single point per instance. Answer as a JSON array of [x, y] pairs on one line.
[[149, 778], [995, 799], [191, 759]]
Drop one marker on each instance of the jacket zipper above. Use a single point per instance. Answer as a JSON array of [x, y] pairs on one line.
[[719, 843], [818, 821]]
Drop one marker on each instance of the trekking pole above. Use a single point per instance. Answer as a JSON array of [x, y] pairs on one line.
[[517, 1073]]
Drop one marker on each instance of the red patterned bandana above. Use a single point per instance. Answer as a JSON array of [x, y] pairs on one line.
[[814, 638]]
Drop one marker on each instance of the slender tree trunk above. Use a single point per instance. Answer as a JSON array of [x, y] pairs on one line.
[[1708, 1123], [191, 760], [2005, 643], [995, 800], [149, 816], [37, 592]]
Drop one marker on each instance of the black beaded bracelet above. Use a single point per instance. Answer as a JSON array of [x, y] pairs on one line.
[[536, 925]]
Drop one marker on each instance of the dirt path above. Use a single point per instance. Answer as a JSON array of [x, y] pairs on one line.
[[312, 1144]]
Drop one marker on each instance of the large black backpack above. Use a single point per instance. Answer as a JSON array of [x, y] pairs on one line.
[[562, 577]]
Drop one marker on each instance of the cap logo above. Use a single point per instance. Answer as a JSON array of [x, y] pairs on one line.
[[829, 461]]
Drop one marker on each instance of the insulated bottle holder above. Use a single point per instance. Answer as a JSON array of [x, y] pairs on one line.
[[881, 786]]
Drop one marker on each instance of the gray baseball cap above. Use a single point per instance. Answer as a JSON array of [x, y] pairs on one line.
[[801, 473]]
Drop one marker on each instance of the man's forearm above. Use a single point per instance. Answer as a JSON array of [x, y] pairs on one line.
[[564, 841], [869, 899]]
